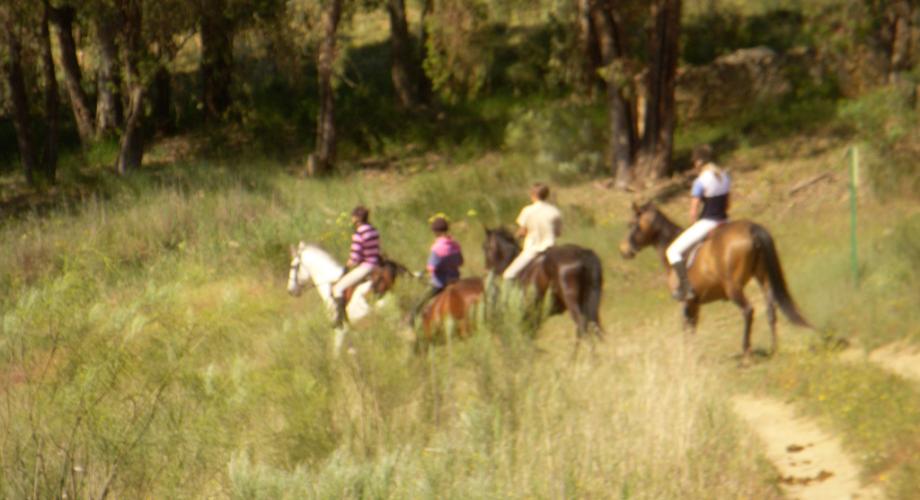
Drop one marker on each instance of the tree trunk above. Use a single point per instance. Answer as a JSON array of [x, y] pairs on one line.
[[109, 110], [52, 101], [588, 49], [898, 40], [403, 69], [660, 112], [131, 147], [324, 157], [621, 141], [424, 83], [20, 101], [162, 102], [216, 58], [62, 18]]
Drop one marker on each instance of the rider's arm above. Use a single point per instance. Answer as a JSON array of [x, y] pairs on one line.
[[695, 205], [522, 223], [728, 201], [433, 260], [356, 251], [696, 200], [557, 227]]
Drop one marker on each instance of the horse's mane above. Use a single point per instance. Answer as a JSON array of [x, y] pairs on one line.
[[316, 249], [661, 222], [503, 234]]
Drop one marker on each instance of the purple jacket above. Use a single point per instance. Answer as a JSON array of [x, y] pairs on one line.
[[444, 262]]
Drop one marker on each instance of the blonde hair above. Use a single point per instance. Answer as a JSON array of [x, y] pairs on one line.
[[715, 169]]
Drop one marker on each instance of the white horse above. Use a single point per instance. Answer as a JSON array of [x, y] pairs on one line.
[[313, 266]]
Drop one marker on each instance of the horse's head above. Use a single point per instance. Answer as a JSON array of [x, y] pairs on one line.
[[500, 248], [643, 229], [299, 274]]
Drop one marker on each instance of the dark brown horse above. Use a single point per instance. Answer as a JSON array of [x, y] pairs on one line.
[[570, 274], [730, 256]]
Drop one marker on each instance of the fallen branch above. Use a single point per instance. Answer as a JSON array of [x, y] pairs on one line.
[[808, 182]]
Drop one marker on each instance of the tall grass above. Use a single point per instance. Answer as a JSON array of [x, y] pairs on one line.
[[496, 417], [150, 349]]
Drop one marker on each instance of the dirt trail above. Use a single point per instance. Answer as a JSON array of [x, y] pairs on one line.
[[900, 357], [811, 463]]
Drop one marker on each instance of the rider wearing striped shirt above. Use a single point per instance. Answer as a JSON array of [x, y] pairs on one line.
[[364, 257], [708, 208]]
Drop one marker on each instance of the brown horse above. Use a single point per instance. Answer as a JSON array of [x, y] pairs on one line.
[[570, 274], [454, 303], [730, 256]]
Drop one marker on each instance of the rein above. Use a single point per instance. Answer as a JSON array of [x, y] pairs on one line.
[[667, 230]]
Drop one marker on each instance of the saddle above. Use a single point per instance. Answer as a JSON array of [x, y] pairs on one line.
[[690, 255], [375, 277]]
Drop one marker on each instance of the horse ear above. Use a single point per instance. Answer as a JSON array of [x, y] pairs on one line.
[[293, 251], [635, 207]]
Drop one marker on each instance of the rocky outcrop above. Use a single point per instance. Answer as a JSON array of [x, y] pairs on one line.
[[737, 80]]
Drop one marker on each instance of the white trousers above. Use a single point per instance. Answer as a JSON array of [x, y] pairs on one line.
[[353, 277], [688, 238], [519, 263]]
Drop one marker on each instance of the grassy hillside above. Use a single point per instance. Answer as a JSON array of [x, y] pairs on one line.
[[149, 347]]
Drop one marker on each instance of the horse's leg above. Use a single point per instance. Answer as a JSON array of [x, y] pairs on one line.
[[771, 313], [339, 340], [570, 295], [737, 296], [691, 315], [431, 318]]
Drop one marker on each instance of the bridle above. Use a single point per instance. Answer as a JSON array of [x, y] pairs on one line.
[[295, 268], [631, 239]]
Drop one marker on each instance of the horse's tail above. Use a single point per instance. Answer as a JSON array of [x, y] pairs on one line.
[[763, 242], [398, 268], [595, 284]]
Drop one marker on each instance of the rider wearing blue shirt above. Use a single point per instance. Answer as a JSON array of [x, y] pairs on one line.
[[444, 262], [708, 208]]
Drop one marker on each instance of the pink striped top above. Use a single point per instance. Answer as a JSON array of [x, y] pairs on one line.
[[365, 245]]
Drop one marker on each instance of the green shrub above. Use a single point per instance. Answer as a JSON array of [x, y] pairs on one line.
[[566, 138], [886, 120]]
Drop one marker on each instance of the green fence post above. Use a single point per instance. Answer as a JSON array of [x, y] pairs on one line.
[[854, 178]]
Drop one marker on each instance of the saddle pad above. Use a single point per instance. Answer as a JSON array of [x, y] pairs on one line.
[[691, 254]]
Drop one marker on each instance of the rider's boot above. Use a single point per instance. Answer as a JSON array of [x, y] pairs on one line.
[[683, 291]]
